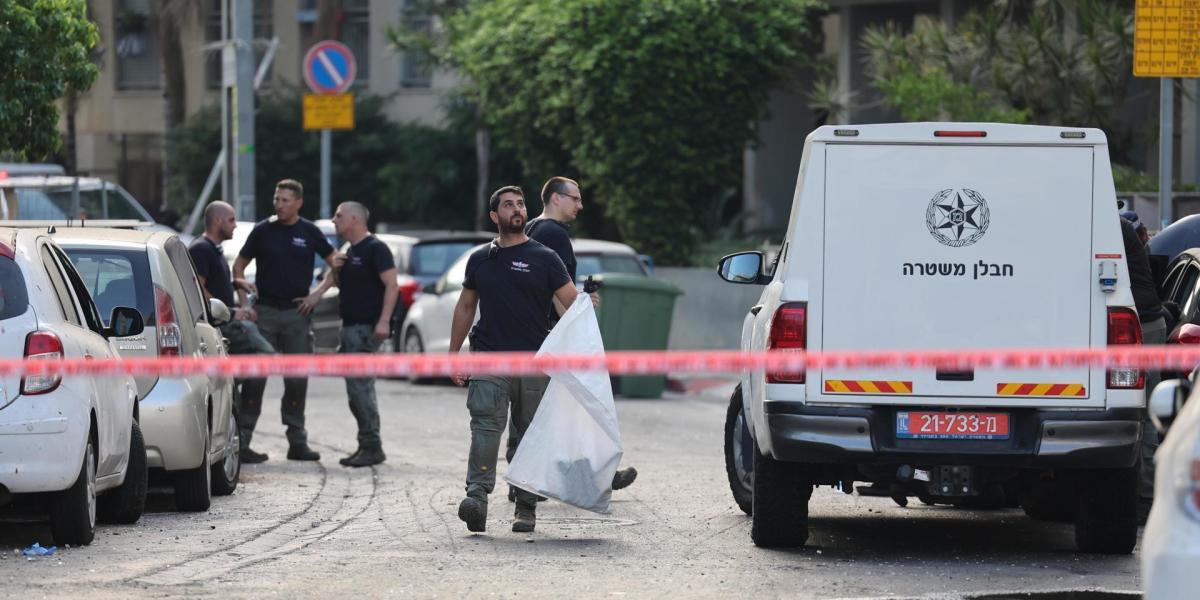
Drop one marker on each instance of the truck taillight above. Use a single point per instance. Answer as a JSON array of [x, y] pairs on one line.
[[169, 335], [41, 345], [1124, 328], [789, 331]]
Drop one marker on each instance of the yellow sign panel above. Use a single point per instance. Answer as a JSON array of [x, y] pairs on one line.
[[328, 111], [1167, 38]]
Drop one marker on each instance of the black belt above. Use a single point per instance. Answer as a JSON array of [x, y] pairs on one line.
[[280, 303]]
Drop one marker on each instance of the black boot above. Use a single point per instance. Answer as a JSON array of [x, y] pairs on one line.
[[303, 453], [249, 457], [623, 478], [366, 458]]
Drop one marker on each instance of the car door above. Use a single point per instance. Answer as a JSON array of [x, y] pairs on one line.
[[435, 326], [208, 344], [114, 396]]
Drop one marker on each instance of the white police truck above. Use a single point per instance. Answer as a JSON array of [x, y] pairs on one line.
[[943, 236]]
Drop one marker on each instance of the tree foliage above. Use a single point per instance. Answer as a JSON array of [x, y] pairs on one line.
[[44, 49], [405, 173], [1060, 62], [650, 102]]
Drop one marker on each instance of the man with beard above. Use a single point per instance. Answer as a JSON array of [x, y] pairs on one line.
[[561, 202], [241, 333], [513, 282]]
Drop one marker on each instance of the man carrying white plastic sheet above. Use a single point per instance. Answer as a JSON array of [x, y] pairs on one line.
[[571, 449], [511, 282]]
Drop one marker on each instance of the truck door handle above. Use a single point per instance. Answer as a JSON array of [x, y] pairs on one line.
[[754, 310], [955, 375], [203, 347]]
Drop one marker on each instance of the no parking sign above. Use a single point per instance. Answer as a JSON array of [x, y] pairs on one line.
[[329, 67]]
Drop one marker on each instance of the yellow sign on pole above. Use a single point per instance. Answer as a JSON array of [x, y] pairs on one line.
[[1167, 38], [328, 111]]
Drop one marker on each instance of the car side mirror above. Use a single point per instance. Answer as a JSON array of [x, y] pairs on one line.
[[124, 322], [743, 267], [1166, 401], [220, 313]]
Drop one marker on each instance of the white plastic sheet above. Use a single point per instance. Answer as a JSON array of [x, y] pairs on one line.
[[573, 446]]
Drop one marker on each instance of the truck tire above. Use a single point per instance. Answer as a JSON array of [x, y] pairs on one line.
[[1106, 516], [73, 510], [193, 487], [127, 502], [739, 454], [779, 516]]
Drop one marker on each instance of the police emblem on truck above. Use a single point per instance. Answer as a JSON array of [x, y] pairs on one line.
[[957, 218]]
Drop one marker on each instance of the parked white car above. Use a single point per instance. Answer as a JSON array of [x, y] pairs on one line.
[[74, 438], [427, 326], [188, 422], [1171, 542]]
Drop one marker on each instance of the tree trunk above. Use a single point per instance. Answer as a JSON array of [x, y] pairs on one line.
[[168, 26], [327, 26], [483, 152], [71, 106]]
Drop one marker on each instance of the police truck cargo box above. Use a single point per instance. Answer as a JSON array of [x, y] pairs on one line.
[[944, 236]]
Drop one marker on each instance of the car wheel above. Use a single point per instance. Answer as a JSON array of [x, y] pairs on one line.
[[414, 345], [193, 487], [127, 503], [73, 510], [739, 454], [1106, 517], [226, 473], [779, 517]]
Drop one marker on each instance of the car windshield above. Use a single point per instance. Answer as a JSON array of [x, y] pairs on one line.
[[116, 278], [14, 298], [593, 264], [431, 259], [54, 203]]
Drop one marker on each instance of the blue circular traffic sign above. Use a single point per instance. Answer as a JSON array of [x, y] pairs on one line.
[[329, 67]]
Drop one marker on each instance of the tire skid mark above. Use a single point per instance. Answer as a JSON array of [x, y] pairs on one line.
[[343, 496]]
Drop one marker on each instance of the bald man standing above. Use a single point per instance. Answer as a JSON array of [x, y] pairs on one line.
[[366, 275], [242, 334]]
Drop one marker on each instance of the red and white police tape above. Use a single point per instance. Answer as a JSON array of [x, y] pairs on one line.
[[616, 362]]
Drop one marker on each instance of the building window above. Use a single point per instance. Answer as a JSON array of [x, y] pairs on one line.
[[415, 69], [356, 34], [137, 50], [264, 30]]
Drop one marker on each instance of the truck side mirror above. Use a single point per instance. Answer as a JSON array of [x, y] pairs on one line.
[[743, 267]]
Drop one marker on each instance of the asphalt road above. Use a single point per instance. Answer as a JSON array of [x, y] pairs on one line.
[[321, 530]]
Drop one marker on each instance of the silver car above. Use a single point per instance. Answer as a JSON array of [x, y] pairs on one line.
[[189, 423]]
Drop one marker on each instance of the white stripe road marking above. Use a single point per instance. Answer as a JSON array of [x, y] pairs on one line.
[[328, 64]]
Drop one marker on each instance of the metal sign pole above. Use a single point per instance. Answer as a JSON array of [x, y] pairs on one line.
[[326, 170], [1166, 149]]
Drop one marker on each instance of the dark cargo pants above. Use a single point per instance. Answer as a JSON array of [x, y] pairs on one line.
[[289, 332], [489, 400], [360, 391], [244, 337]]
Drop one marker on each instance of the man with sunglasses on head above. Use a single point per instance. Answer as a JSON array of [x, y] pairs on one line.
[[513, 281], [561, 202]]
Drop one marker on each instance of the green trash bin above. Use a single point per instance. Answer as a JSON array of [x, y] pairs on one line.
[[635, 314]]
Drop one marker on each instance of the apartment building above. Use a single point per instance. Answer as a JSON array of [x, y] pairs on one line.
[[120, 121]]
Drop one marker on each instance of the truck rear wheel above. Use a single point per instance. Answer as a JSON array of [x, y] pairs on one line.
[[1106, 516], [780, 507], [739, 454]]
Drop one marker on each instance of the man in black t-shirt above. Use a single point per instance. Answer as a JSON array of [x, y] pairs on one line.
[[366, 275], [561, 202], [242, 334], [285, 248], [512, 281]]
